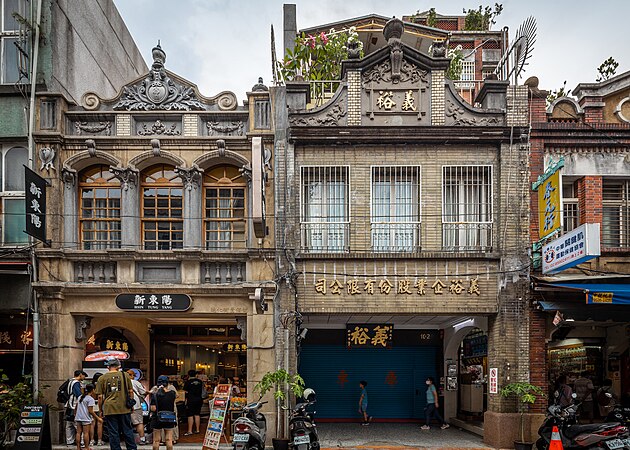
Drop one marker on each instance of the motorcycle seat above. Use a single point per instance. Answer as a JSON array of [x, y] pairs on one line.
[[575, 430]]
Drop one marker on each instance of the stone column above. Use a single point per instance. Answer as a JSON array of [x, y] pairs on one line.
[[191, 177], [130, 207], [70, 208]]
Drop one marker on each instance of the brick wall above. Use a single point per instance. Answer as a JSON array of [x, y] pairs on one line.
[[354, 97], [590, 199], [538, 356]]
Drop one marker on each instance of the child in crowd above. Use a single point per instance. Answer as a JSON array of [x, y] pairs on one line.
[[84, 416]]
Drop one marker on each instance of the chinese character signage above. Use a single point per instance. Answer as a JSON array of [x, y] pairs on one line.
[[115, 344], [493, 381], [153, 302], [571, 249], [35, 188], [231, 348], [16, 338], [369, 335], [397, 101], [399, 287], [549, 206]]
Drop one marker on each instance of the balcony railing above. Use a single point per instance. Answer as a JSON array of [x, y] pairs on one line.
[[403, 237], [325, 237], [322, 91], [467, 237], [223, 272], [95, 272]]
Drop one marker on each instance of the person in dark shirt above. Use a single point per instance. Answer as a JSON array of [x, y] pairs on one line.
[[162, 400], [193, 388]]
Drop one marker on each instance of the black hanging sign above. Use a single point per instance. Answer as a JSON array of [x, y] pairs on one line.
[[33, 431], [35, 189], [153, 302]]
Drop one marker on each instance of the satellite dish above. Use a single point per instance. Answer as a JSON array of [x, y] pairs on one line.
[[514, 60]]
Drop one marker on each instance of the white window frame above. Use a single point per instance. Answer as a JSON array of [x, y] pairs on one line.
[[6, 37], [306, 227], [462, 227], [622, 233], [5, 195], [570, 205], [391, 227]]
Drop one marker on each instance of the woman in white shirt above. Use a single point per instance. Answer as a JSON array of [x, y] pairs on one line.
[[84, 415]]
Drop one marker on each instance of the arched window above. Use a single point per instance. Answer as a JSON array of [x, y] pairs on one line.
[[99, 220], [224, 208], [162, 212]]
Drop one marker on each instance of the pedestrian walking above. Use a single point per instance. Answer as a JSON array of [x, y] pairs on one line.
[[163, 400], [137, 418], [584, 390], [363, 404], [431, 409], [85, 417], [74, 391], [113, 389], [193, 388]]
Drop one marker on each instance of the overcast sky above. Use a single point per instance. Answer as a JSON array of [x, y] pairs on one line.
[[225, 44]]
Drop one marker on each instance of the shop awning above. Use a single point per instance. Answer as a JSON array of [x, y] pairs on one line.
[[579, 311], [601, 293]]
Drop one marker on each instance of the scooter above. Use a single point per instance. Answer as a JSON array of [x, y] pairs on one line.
[[302, 425], [611, 436], [250, 429]]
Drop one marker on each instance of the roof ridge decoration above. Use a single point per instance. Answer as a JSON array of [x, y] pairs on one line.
[[157, 91]]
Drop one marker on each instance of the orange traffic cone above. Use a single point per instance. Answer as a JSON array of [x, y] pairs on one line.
[[556, 442]]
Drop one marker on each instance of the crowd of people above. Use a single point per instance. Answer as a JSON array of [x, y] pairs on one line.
[[115, 404]]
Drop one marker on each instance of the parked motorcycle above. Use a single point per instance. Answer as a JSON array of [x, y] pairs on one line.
[[302, 425], [611, 436], [250, 429], [619, 414]]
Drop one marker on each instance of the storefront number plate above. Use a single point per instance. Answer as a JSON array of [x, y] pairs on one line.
[[614, 444], [241, 437], [301, 440]]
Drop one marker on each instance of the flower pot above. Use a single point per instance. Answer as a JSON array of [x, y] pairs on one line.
[[523, 445], [280, 444]]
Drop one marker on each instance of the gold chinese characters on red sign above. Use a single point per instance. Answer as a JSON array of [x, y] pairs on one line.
[[369, 335], [401, 286]]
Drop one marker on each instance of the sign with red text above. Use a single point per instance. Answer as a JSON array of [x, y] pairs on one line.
[[493, 381], [572, 248]]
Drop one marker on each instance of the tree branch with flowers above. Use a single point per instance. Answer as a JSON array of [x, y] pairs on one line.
[[319, 56]]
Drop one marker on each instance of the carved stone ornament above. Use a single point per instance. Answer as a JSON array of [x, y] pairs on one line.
[[93, 128], [81, 324], [619, 110], [155, 146], [234, 128], [126, 175], [267, 159], [383, 73], [246, 171], [158, 92], [47, 158], [331, 118], [438, 49], [241, 324], [260, 87], [159, 128], [393, 32], [69, 177], [221, 147], [91, 147], [460, 116], [191, 177]]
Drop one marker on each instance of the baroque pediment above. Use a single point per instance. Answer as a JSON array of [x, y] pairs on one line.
[[458, 112], [161, 90], [333, 113]]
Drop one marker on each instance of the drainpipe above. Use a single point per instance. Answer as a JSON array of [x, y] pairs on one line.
[[31, 163]]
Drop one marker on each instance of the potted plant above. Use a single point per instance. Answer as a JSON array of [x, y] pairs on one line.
[[281, 383], [526, 394], [12, 400]]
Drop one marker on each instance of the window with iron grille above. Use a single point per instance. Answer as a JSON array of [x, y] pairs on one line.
[[616, 213], [467, 208], [224, 219], [570, 207], [395, 212], [467, 78], [100, 199], [13, 55], [12, 161], [162, 209], [325, 210]]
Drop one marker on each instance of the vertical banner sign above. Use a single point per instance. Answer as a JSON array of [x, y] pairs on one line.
[[494, 381], [35, 189], [33, 431], [549, 207], [218, 411]]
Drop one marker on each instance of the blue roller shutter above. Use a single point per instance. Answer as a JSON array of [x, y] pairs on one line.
[[395, 377]]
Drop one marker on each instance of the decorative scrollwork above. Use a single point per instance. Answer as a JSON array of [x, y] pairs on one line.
[[460, 117], [191, 177], [47, 157], [382, 73], [331, 118], [69, 177], [91, 101], [228, 129], [126, 175], [93, 128], [159, 128], [227, 101]]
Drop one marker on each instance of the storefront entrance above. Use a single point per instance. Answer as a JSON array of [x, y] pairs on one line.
[[396, 375]]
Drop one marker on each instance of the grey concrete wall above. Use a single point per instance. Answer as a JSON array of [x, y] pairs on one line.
[[89, 49]]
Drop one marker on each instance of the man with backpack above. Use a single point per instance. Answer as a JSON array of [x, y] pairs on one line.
[[68, 394]]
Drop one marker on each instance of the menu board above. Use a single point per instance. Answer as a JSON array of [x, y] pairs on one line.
[[218, 410], [34, 429]]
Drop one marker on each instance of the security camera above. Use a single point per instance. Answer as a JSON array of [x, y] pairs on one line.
[[302, 333]]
